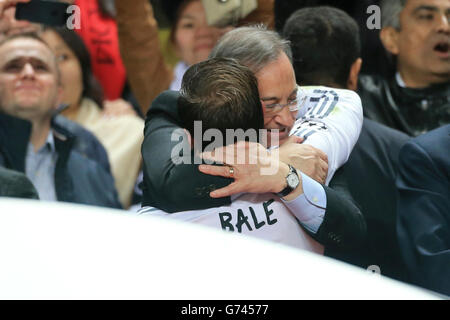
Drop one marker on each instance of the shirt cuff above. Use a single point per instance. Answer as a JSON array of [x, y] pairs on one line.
[[309, 208]]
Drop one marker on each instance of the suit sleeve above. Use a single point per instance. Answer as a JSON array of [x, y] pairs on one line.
[[423, 218], [329, 215], [344, 227], [173, 183]]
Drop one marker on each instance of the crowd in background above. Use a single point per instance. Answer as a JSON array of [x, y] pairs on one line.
[[74, 105]]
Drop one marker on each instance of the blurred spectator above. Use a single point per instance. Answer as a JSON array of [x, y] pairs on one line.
[[30, 141], [325, 46], [193, 40], [15, 184], [372, 51], [326, 51], [105, 47], [424, 209], [99, 33], [417, 34], [86, 143], [122, 135]]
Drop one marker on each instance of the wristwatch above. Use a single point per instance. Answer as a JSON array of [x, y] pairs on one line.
[[292, 181]]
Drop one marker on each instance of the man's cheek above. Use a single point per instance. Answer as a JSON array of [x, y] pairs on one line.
[[3, 93], [267, 122]]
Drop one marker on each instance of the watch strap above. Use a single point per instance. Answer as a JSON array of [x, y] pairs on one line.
[[288, 188]]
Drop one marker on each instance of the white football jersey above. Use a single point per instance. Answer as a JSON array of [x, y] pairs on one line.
[[260, 215], [330, 120]]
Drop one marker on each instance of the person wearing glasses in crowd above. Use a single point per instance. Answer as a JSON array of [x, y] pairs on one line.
[[32, 141]]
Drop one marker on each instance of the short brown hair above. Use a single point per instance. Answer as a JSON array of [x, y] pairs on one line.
[[222, 94]]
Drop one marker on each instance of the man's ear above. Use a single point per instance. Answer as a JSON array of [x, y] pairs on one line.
[[389, 38], [352, 82]]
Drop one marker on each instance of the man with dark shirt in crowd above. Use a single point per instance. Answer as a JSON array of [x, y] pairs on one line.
[[372, 51], [417, 99], [326, 51], [31, 141]]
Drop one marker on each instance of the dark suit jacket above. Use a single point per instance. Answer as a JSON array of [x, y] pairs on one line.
[[14, 184], [424, 209], [78, 179], [174, 188], [369, 175], [409, 110]]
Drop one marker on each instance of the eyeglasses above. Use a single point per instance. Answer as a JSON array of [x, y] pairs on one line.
[[294, 105]]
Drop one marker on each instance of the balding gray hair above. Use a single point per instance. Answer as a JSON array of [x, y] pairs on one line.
[[390, 13], [253, 46]]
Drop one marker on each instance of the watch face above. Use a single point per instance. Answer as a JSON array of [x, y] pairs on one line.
[[292, 180]]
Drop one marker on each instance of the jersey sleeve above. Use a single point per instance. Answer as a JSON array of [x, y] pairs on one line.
[[330, 120]]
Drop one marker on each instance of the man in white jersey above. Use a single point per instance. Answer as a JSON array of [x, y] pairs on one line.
[[330, 119], [224, 95], [259, 215]]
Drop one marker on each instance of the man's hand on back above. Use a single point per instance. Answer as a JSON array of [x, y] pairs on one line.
[[253, 168]]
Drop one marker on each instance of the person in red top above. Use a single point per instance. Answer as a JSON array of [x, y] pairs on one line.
[[99, 33]]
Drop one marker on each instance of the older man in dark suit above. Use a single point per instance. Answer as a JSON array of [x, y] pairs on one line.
[[332, 58]]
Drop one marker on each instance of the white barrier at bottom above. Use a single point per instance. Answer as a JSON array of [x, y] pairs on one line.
[[64, 251]]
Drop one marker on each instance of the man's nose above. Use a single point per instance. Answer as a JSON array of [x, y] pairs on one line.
[[443, 24], [27, 71], [204, 31], [285, 117]]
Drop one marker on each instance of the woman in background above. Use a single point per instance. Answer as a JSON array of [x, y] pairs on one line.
[[191, 36], [99, 33], [122, 135]]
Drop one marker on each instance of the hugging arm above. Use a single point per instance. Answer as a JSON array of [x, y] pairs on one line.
[[330, 121], [328, 215], [169, 186]]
